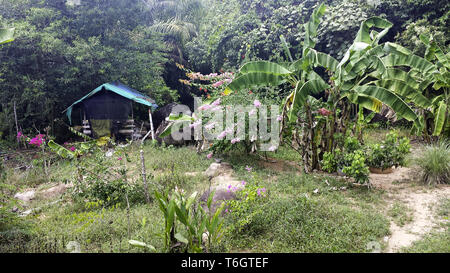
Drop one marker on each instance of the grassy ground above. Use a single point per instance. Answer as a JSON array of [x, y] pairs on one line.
[[292, 217]]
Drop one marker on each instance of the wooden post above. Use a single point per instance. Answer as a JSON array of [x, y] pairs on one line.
[[144, 175], [17, 125], [151, 123]]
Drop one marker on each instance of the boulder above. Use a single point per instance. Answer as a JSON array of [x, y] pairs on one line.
[[54, 191], [26, 196], [216, 169], [223, 184]]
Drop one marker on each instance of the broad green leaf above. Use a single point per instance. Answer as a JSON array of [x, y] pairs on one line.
[[180, 117], [60, 150], [311, 27], [181, 238], [389, 98], [363, 34], [142, 245], [255, 80], [406, 91], [439, 119], [413, 61], [264, 67], [6, 35], [301, 94]]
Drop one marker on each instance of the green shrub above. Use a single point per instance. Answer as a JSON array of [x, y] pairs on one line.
[[391, 152], [435, 164], [356, 167]]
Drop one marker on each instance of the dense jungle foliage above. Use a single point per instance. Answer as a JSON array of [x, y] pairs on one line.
[[63, 50]]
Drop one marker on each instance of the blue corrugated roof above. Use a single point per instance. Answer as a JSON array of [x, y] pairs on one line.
[[120, 89]]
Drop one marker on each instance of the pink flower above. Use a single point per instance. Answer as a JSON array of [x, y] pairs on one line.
[[120, 158], [279, 118], [72, 148], [204, 107], [249, 169], [235, 140], [37, 141], [324, 112], [257, 103], [195, 124], [209, 156], [210, 126], [243, 183], [19, 135], [272, 148], [216, 103], [222, 135], [217, 84]]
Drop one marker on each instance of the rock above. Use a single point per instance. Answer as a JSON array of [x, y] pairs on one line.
[[216, 169], [169, 140], [54, 191], [192, 174], [26, 213], [26, 196], [161, 123]]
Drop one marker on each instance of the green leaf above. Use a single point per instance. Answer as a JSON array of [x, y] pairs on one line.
[[440, 118], [301, 94], [181, 238], [255, 80], [6, 35], [311, 27], [264, 67], [363, 34], [141, 245], [389, 98], [413, 61], [404, 90], [210, 199]]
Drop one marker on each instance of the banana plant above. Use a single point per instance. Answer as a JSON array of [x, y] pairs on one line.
[[423, 81], [6, 35], [350, 83]]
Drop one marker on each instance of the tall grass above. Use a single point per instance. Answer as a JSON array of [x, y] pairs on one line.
[[435, 164]]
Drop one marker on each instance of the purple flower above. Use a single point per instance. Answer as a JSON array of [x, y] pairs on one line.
[[195, 124], [279, 118], [222, 135], [209, 156], [235, 140], [204, 107], [72, 148], [217, 84], [210, 126], [216, 103], [249, 169], [243, 182], [257, 103]]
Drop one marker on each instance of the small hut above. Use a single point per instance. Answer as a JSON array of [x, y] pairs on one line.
[[108, 111]]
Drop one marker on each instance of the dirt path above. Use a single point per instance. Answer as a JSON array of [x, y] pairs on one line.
[[400, 186]]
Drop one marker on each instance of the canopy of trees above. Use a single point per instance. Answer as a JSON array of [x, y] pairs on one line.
[[63, 49]]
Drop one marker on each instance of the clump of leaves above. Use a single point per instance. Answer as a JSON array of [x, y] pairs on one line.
[[187, 223], [435, 164], [391, 152]]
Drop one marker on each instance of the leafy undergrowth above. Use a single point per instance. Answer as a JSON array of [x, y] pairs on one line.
[[299, 213]]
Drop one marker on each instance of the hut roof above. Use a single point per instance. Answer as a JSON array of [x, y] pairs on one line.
[[120, 89]]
